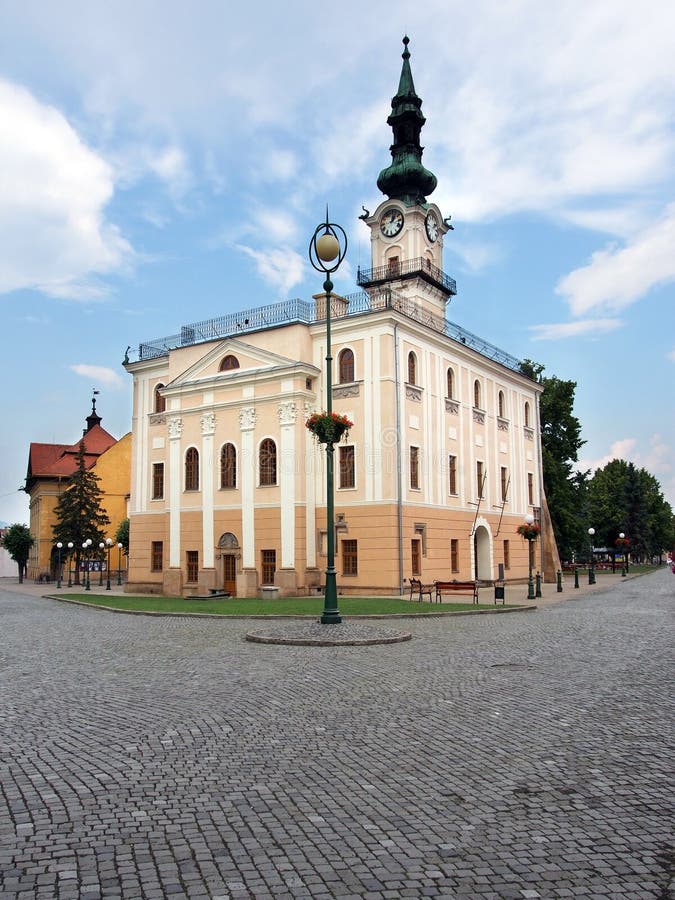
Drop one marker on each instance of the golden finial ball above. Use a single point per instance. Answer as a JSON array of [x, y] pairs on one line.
[[327, 247]]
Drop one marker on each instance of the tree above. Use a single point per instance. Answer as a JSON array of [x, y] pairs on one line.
[[17, 541], [565, 488], [79, 511], [122, 536]]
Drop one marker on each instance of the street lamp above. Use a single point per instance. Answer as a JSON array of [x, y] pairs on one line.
[[327, 249], [108, 545], [85, 555], [591, 566], [59, 545], [70, 563], [530, 532], [623, 542], [119, 563], [101, 547]]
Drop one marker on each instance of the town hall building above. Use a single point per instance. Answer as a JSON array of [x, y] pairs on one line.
[[442, 464]]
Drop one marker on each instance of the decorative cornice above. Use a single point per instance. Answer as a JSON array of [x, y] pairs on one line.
[[175, 426], [529, 433], [247, 418], [287, 413], [157, 419], [347, 390], [479, 416], [208, 423], [502, 424], [413, 393], [451, 406]]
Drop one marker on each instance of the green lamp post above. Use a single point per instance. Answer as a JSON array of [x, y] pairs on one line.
[[327, 249], [530, 531], [591, 565]]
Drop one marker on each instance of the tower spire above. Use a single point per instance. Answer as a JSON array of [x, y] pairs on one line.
[[406, 178], [93, 418]]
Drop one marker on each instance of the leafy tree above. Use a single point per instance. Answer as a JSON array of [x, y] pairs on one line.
[[79, 511], [122, 536], [565, 488], [17, 541]]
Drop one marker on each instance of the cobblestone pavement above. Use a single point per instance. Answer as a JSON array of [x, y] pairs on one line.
[[499, 756]]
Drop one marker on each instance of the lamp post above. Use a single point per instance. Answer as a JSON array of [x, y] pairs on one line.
[[528, 532], [119, 563], [591, 566], [623, 542], [101, 548], [108, 545], [59, 545], [70, 563], [327, 249], [85, 556]]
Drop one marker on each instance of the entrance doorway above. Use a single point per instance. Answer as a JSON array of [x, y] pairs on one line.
[[481, 554], [229, 553]]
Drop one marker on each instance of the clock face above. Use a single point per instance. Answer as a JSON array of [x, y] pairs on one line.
[[391, 222], [431, 225]]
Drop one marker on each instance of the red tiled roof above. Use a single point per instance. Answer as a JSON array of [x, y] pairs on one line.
[[54, 460]]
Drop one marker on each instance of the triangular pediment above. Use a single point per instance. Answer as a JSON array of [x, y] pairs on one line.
[[252, 360]]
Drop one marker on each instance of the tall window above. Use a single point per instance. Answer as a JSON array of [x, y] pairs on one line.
[[452, 470], [228, 363], [451, 384], [157, 481], [500, 404], [345, 366], [268, 462], [476, 394], [412, 368], [156, 556], [454, 555], [346, 468], [504, 481], [416, 557], [192, 469], [530, 488], [268, 559], [527, 414], [350, 558], [479, 479], [507, 555], [192, 561], [415, 468], [393, 265], [228, 466], [160, 402]]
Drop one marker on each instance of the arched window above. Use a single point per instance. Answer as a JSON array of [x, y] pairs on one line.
[[228, 466], [345, 366], [160, 402], [500, 404], [451, 385], [476, 394], [268, 462], [192, 469], [228, 363], [412, 368], [527, 414]]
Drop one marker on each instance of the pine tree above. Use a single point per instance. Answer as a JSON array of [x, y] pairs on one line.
[[80, 515], [17, 541]]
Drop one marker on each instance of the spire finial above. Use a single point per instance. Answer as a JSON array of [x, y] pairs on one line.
[[406, 52]]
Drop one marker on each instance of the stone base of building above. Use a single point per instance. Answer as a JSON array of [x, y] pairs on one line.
[[172, 584], [144, 587], [247, 583]]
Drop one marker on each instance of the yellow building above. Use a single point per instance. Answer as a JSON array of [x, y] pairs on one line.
[[440, 468], [50, 467]]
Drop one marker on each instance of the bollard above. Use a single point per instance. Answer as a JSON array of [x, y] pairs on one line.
[[559, 587], [538, 580], [576, 577], [623, 571]]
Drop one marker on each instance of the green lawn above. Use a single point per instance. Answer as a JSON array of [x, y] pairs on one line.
[[288, 606]]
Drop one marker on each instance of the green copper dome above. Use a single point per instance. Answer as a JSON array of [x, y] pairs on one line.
[[406, 178]]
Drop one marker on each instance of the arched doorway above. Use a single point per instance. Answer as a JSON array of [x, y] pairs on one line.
[[482, 553], [229, 554]]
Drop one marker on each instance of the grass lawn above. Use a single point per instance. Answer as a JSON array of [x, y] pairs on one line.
[[287, 606]]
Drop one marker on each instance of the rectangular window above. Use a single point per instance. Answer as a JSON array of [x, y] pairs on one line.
[[479, 480], [454, 555], [347, 477], [157, 556], [504, 481], [192, 558], [350, 558], [530, 488], [158, 481], [269, 565], [415, 468], [415, 555], [507, 555], [452, 469]]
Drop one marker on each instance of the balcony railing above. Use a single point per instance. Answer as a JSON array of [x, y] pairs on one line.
[[407, 268]]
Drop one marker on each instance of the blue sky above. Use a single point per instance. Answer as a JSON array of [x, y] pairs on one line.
[[162, 163]]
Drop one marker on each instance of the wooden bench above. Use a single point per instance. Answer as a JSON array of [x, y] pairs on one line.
[[456, 587], [419, 589]]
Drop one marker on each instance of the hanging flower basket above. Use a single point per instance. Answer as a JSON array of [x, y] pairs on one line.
[[328, 428], [529, 532]]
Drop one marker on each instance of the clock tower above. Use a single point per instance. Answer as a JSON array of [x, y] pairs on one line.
[[407, 230]]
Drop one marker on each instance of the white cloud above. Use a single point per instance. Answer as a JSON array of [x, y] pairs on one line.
[[283, 268], [54, 235], [622, 449], [656, 457], [99, 374], [589, 327], [617, 277], [671, 355]]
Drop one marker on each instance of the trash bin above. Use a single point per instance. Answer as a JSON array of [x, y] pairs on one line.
[[499, 592]]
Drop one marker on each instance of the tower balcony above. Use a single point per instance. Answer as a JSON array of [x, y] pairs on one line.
[[400, 270]]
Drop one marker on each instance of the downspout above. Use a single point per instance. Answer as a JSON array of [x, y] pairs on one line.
[[399, 498], [541, 484]]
